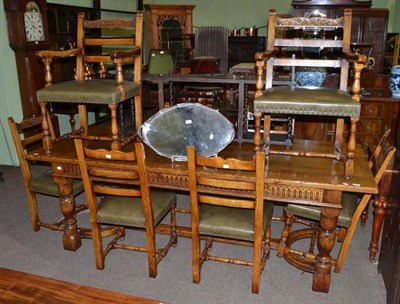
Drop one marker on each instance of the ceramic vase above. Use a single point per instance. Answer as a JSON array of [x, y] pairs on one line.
[[395, 81]]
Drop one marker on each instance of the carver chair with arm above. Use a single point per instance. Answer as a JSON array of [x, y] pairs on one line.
[[119, 197], [95, 46], [234, 212], [27, 134], [311, 51], [352, 208]]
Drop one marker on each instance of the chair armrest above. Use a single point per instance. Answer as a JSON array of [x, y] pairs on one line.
[[261, 58], [265, 55], [359, 62], [356, 58], [119, 57], [47, 57], [115, 55], [51, 54]]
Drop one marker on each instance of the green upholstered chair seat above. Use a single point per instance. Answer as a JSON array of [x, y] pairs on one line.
[[307, 101], [128, 211], [234, 223], [349, 205], [95, 91], [45, 184]]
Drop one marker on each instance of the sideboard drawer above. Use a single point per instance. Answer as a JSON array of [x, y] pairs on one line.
[[372, 109], [369, 126]]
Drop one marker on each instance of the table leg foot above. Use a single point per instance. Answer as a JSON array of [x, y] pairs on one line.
[[71, 236]]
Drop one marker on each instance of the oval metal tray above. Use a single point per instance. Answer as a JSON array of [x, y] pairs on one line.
[[169, 131]]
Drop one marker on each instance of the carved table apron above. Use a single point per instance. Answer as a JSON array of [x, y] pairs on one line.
[[310, 181]]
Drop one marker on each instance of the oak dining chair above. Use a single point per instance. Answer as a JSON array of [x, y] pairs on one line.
[[352, 208], [233, 211], [26, 135], [119, 197]]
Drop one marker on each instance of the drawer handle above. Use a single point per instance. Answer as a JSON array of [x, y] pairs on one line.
[[370, 110]]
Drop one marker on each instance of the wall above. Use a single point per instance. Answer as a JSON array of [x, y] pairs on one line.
[[227, 13]]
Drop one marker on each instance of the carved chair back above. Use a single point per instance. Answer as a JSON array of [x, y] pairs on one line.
[[121, 181], [228, 205], [28, 135], [318, 43]]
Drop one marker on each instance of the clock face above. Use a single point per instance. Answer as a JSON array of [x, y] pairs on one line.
[[33, 23]]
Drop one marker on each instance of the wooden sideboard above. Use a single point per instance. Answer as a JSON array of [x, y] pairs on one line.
[[379, 112]]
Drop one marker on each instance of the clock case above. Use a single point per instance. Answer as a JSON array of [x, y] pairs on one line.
[[15, 10], [30, 69]]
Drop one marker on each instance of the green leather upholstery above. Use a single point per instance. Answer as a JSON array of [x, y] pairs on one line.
[[235, 223], [128, 211], [307, 101], [96, 91], [349, 205], [45, 184]]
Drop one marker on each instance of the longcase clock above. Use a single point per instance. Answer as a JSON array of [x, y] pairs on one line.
[[28, 33]]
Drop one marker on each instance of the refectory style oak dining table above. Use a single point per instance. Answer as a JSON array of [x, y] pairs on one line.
[[289, 179]]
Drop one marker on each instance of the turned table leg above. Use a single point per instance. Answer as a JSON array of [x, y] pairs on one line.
[[380, 205], [71, 237], [325, 243]]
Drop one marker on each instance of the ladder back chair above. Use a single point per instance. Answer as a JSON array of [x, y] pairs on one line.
[[119, 197], [98, 42], [232, 211], [352, 208], [328, 53], [27, 134]]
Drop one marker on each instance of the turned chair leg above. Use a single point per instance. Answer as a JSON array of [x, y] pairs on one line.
[[289, 219], [364, 215]]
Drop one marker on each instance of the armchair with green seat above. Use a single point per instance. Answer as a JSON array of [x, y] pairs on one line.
[[91, 45], [311, 100]]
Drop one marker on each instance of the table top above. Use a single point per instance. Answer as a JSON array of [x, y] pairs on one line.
[[291, 174], [206, 78]]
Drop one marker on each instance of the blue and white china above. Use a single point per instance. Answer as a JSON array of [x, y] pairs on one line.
[[310, 78], [395, 81]]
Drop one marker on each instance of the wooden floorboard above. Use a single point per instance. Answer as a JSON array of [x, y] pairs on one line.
[[19, 287]]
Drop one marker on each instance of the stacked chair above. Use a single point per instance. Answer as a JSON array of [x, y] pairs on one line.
[[308, 101], [99, 42]]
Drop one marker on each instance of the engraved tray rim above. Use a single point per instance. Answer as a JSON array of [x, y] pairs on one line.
[[143, 129]]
